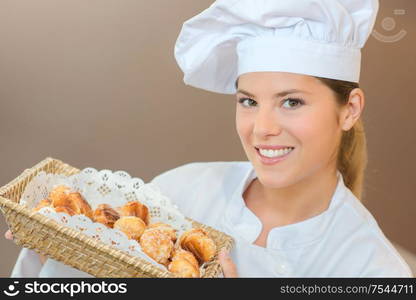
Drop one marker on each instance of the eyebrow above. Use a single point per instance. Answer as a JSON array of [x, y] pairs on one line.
[[280, 94]]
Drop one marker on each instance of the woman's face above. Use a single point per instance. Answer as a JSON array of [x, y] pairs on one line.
[[290, 110]]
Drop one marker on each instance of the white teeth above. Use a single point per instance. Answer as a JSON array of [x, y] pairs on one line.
[[274, 153]]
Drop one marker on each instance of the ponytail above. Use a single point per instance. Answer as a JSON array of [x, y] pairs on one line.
[[352, 154], [352, 158]]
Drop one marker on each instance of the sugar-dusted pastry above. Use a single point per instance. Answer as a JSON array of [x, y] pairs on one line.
[[106, 215], [79, 205], [137, 209], [166, 228], [43, 203], [58, 196], [132, 226], [184, 264], [156, 244], [197, 241], [65, 209]]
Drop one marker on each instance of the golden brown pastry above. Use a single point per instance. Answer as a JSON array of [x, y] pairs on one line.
[[166, 228], [58, 196], [156, 244], [65, 209], [197, 241], [43, 203], [184, 264], [79, 205], [106, 215], [137, 209], [132, 226]]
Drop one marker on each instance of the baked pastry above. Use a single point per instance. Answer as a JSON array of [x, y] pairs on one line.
[[166, 228], [79, 205], [197, 241], [132, 226], [156, 244], [184, 264], [61, 196], [106, 215], [43, 203], [137, 209], [58, 196], [65, 209]]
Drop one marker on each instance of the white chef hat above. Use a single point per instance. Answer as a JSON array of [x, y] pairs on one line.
[[313, 37]]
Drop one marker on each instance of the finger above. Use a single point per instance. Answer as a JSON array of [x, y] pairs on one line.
[[228, 267], [42, 258], [8, 235]]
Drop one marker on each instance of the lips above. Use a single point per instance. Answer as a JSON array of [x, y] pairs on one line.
[[272, 147], [273, 160]]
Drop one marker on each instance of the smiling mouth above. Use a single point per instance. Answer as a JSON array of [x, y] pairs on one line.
[[270, 153]]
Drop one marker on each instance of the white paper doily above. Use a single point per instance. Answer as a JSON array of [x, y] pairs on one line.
[[106, 187]]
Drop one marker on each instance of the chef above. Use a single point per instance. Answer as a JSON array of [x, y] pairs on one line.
[[294, 207]]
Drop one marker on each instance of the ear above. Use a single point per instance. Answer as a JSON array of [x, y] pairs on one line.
[[352, 111]]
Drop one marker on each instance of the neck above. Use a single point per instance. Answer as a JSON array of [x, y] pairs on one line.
[[307, 198]]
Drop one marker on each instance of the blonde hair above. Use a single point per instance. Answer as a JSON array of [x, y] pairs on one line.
[[352, 155]]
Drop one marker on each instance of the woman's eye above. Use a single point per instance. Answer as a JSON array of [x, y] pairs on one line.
[[292, 103], [247, 102]]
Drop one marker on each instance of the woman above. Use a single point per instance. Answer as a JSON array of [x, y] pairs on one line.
[[293, 209]]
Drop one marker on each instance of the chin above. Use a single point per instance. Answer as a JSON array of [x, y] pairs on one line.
[[274, 178], [273, 183]]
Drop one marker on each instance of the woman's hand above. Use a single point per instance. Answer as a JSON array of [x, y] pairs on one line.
[[228, 267], [8, 235]]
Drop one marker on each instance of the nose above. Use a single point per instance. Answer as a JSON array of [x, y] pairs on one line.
[[267, 123]]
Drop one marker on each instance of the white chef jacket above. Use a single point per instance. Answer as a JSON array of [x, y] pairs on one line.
[[343, 241]]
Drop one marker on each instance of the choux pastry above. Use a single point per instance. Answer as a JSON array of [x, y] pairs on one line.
[[156, 244], [132, 226], [184, 264], [166, 228]]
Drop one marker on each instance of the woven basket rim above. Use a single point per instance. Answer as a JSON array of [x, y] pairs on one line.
[[4, 189], [133, 261], [118, 254], [75, 234]]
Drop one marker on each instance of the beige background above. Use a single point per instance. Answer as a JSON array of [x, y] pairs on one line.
[[94, 83]]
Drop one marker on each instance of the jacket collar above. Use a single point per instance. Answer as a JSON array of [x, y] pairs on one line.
[[244, 224]]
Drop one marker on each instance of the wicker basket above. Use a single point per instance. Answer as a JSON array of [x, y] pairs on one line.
[[47, 237]]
